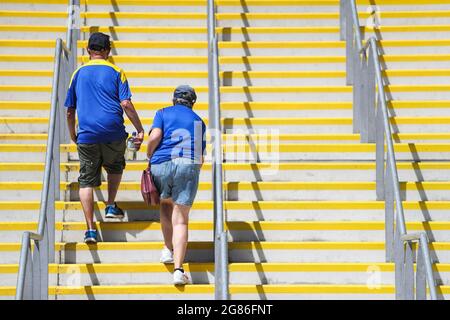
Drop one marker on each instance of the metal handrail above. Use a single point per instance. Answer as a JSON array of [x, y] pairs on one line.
[[220, 235], [32, 279], [371, 118]]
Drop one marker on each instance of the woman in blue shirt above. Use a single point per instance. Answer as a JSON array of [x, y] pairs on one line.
[[176, 150]]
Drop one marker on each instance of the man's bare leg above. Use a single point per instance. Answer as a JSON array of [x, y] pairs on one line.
[[113, 186], [180, 220], [166, 209], [87, 202]]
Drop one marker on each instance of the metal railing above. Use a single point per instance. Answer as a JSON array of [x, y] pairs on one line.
[[371, 119], [32, 279], [220, 235]]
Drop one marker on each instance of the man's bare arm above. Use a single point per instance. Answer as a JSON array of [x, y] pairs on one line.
[[71, 123], [153, 141], [129, 109]]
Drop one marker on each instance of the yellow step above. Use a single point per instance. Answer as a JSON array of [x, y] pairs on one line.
[[230, 59], [224, 16], [224, 45], [234, 2], [265, 185], [233, 225], [255, 137], [251, 89], [284, 148], [220, 30], [241, 74], [284, 166], [209, 267], [260, 121], [245, 205], [234, 289], [313, 105], [264, 245]]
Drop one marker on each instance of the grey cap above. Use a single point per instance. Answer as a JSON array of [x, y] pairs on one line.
[[185, 92]]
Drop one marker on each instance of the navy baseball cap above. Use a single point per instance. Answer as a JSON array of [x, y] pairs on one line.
[[185, 92], [99, 41]]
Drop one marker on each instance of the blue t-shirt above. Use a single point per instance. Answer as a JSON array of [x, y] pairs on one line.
[[183, 134], [96, 90]]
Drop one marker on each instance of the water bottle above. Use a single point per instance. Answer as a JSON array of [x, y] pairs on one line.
[[131, 148]]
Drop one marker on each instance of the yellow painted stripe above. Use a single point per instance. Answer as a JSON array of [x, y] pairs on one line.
[[240, 74], [209, 267], [25, 88], [266, 185], [160, 29], [236, 2], [297, 147], [220, 30], [120, 268], [246, 205], [419, 104], [232, 245], [26, 73], [251, 89], [222, 16], [33, 14], [22, 136], [233, 225], [209, 289], [313, 105], [421, 120], [26, 58], [225, 45], [28, 105], [189, 2], [238, 137], [230, 59]]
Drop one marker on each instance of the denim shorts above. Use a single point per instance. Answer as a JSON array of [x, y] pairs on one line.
[[177, 179]]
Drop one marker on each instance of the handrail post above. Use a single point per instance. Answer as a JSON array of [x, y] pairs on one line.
[[220, 236], [380, 159], [428, 265], [342, 19], [22, 289]]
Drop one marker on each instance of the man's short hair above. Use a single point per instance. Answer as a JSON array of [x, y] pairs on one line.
[[99, 41]]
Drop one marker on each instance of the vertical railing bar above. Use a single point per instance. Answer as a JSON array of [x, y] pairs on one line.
[[428, 265], [220, 235], [380, 159], [421, 281], [24, 262], [342, 20], [370, 98], [408, 276], [389, 216]]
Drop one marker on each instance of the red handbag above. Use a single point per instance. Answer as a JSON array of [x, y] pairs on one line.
[[148, 188]]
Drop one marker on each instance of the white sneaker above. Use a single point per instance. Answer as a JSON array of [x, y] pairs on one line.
[[180, 278], [166, 256]]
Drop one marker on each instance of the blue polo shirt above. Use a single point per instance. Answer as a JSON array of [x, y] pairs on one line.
[[183, 134], [96, 90]]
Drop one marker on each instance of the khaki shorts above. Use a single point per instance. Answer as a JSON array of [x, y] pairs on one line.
[[95, 155]]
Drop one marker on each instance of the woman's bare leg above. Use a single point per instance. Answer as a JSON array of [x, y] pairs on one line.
[[166, 210], [180, 220]]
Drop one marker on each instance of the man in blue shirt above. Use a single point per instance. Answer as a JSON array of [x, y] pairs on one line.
[[99, 93]]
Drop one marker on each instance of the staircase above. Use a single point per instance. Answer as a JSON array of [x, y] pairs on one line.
[[301, 206]]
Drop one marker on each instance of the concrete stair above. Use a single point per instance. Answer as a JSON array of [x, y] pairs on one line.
[[302, 213]]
